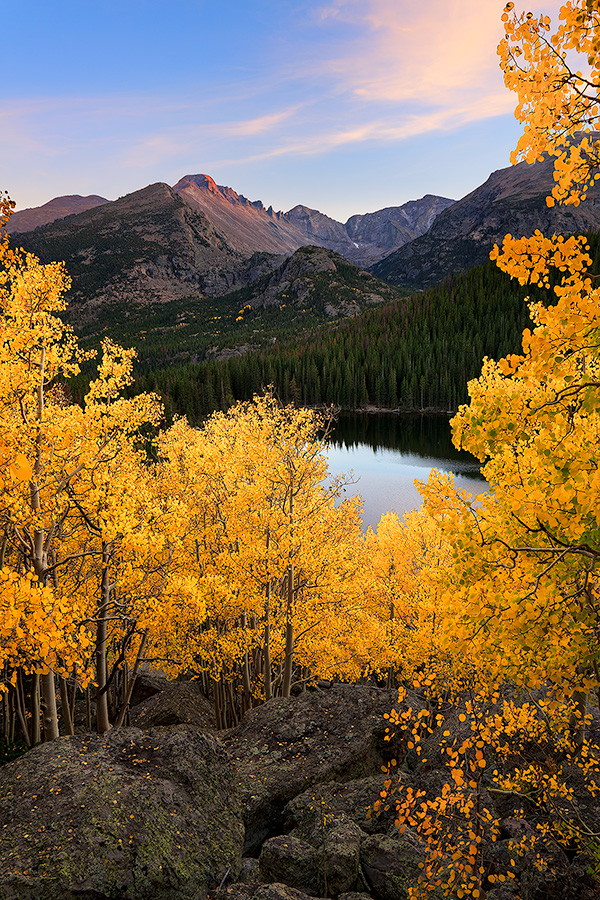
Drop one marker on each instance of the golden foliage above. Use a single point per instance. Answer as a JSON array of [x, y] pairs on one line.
[[557, 102]]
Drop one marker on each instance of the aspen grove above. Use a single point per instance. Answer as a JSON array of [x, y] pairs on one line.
[[218, 553]]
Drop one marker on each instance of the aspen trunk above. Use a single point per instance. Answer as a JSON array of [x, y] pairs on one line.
[[40, 563], [102, 720], [20, 698], [49, 710], [289, 636], [35, 711], [233, 718], [217, 702], [247, 696], [9, 717], [65, 707], [131, 681], [391, 672], [5, 716], [88, 709], [72, 699], [289, 627], [267, 647]]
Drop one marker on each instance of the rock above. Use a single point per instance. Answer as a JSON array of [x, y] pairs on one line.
[[391, 864], [250, 871], [291, 861], [340, 854], [285, 746], [355, 895], [180, 703], [130, 814], [147, 684], [239, 891], [353, 799], [503, 892]]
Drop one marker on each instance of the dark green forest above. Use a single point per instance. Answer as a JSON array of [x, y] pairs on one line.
[[410, 354]]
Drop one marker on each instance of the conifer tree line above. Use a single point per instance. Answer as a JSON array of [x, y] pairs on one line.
[[411, 354]]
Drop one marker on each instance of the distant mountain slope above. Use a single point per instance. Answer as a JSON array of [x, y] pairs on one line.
[[511, 201], [321, 279], [312, 287], [145, 247], [28, 219], [394, 226], [413, 353], [199, 238], [249, 226]]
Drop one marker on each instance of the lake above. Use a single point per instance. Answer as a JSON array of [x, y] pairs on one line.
[[386, 452]]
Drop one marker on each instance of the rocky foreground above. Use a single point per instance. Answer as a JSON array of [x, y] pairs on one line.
[[275, 809]]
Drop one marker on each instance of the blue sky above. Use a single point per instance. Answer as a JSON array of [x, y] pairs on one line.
[[342, 105]]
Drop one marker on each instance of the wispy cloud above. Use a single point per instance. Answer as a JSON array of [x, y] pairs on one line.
[[433, 51], [381, 130], [258, 126], [428, 51]]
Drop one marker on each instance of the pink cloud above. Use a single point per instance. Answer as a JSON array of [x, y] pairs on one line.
[[429, 51]]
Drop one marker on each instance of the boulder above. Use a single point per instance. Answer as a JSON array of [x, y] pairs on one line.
[[354, 895], [241, 891], [250, 870], [179, 703], [289, 860], [326, 864], [503, 892], [340, 855], [130, 814], [147, 684], [391, 864], [353, 799], [284, 747]]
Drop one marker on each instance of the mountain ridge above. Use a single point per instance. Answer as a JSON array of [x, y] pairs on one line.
[[511, 201], [249, 227], [57, 208]]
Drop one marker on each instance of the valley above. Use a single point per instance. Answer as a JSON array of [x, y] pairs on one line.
[[221, 296]]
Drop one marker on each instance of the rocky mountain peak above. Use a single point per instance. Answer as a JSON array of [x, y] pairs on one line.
[[205, 182], [512, 200], [201, 181]]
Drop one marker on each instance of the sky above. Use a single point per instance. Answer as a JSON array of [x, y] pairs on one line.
[[345, 106]]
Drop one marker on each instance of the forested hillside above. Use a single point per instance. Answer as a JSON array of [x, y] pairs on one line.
[[410, 354]]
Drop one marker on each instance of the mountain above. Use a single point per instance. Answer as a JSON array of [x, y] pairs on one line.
[[28, 219], [199, 238], [308, 289], [394, 226], [249, 226], [319, 279], [146, 247], [511, 201]]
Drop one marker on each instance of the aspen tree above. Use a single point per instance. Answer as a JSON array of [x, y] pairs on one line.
[[278, 561], [520, 598], [528, 552], [67, 456]]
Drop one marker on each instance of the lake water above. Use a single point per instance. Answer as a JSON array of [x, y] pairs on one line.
[[387, 452]]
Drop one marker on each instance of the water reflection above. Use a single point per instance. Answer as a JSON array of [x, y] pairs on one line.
[[386, 453]]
